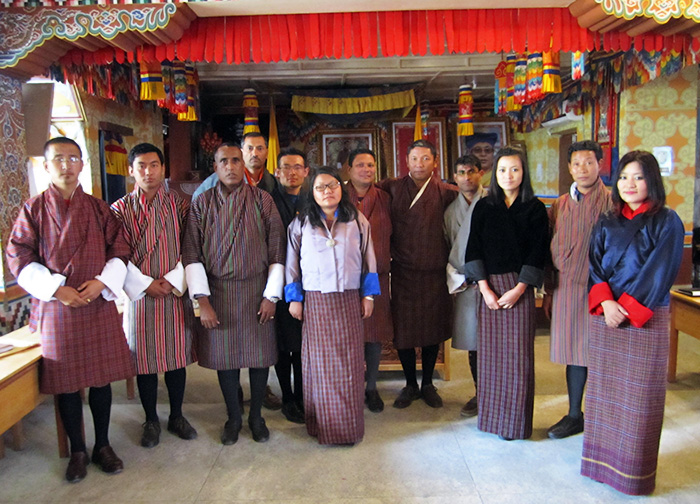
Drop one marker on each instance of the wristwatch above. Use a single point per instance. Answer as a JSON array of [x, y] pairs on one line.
[[369, 298], [273, 299]]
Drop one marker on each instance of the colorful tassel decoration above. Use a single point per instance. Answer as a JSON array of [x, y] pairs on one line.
[[501, 92], [180, 79], [578, 65], [151, 81], [551, 78], [273, 142], [520, 79], [534, 77], [511, 106], [465, 126], [192, 92], [168, 86], [250, 109]]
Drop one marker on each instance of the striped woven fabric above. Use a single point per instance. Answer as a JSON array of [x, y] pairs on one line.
[[507, 363], [155, 328], [333, 367], [572, 223], [625, 403]]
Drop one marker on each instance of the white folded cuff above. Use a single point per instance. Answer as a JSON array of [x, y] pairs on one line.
[[113, 276], [455, 280], [197, 282], [38, 281], [177, 279], [275, 281], [136, 282]]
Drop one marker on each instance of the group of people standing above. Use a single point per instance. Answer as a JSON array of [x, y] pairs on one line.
[[295, 270]]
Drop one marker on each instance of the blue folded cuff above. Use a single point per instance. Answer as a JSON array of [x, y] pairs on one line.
[[293, 292], [370, 284]]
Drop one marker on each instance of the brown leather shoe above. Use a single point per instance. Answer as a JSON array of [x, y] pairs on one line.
[[430, 396], [107, 460], [271, 401], [77, 467]]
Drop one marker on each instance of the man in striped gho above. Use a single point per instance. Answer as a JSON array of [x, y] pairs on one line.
[[156, 318]]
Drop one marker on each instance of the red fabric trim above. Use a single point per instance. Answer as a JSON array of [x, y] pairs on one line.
[[383, 36], [120, 56], [315, 36], [274, 38], [265, 38], [357, 32], [212, 30], [599, 292], [638, 313], [348, 35], [648, 42], [566, 32], [293, 37], [229, 41], [198, 40], [520, 31], [500, 16], [255, 45], [556, 29], [590, 39], [467, 38], [448, 18], [488, 41], [170, 51], [373, 34], [284, 37], [337, 35], [405, 34], [474, 38], [363, 20], [433, 32], [301, 37]]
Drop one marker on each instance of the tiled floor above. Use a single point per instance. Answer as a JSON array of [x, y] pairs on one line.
[[416, 455]]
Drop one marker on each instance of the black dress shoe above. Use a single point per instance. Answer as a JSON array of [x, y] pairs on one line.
[[231, 430], [292, 413], [271, 401], [181, 428], [406, 397], [470, 409], [77, 467], [151, 434], [259, 429], [107, 460], [503, 438], [374, 401], [430, 396], [567, 426]]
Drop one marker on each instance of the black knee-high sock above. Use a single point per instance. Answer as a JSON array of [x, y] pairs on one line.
[[575, 383], [373, 352], [70, 407], [283, 368], [473, 365], [148, 393], [229, 381], [407, 356], [100, 400], [298, 379], [175, 381], [428, 358], [258, 384]]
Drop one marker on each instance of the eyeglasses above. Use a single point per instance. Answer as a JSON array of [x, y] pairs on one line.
[[289, 168], [59, 160], [482, 150], [321, 188]]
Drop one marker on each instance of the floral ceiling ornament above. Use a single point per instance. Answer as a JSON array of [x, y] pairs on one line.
[[659, 10], [28, 29]]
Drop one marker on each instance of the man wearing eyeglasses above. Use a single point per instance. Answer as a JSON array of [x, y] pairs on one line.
[[421, 306], [68, 251], [467, 174], [289, 195]]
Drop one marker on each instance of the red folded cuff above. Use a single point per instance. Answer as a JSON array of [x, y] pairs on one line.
[[638, 313], [599, 292]]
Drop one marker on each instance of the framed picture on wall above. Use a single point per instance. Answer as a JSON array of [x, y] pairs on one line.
[[489, 136], [402, 138], [338, 144]]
